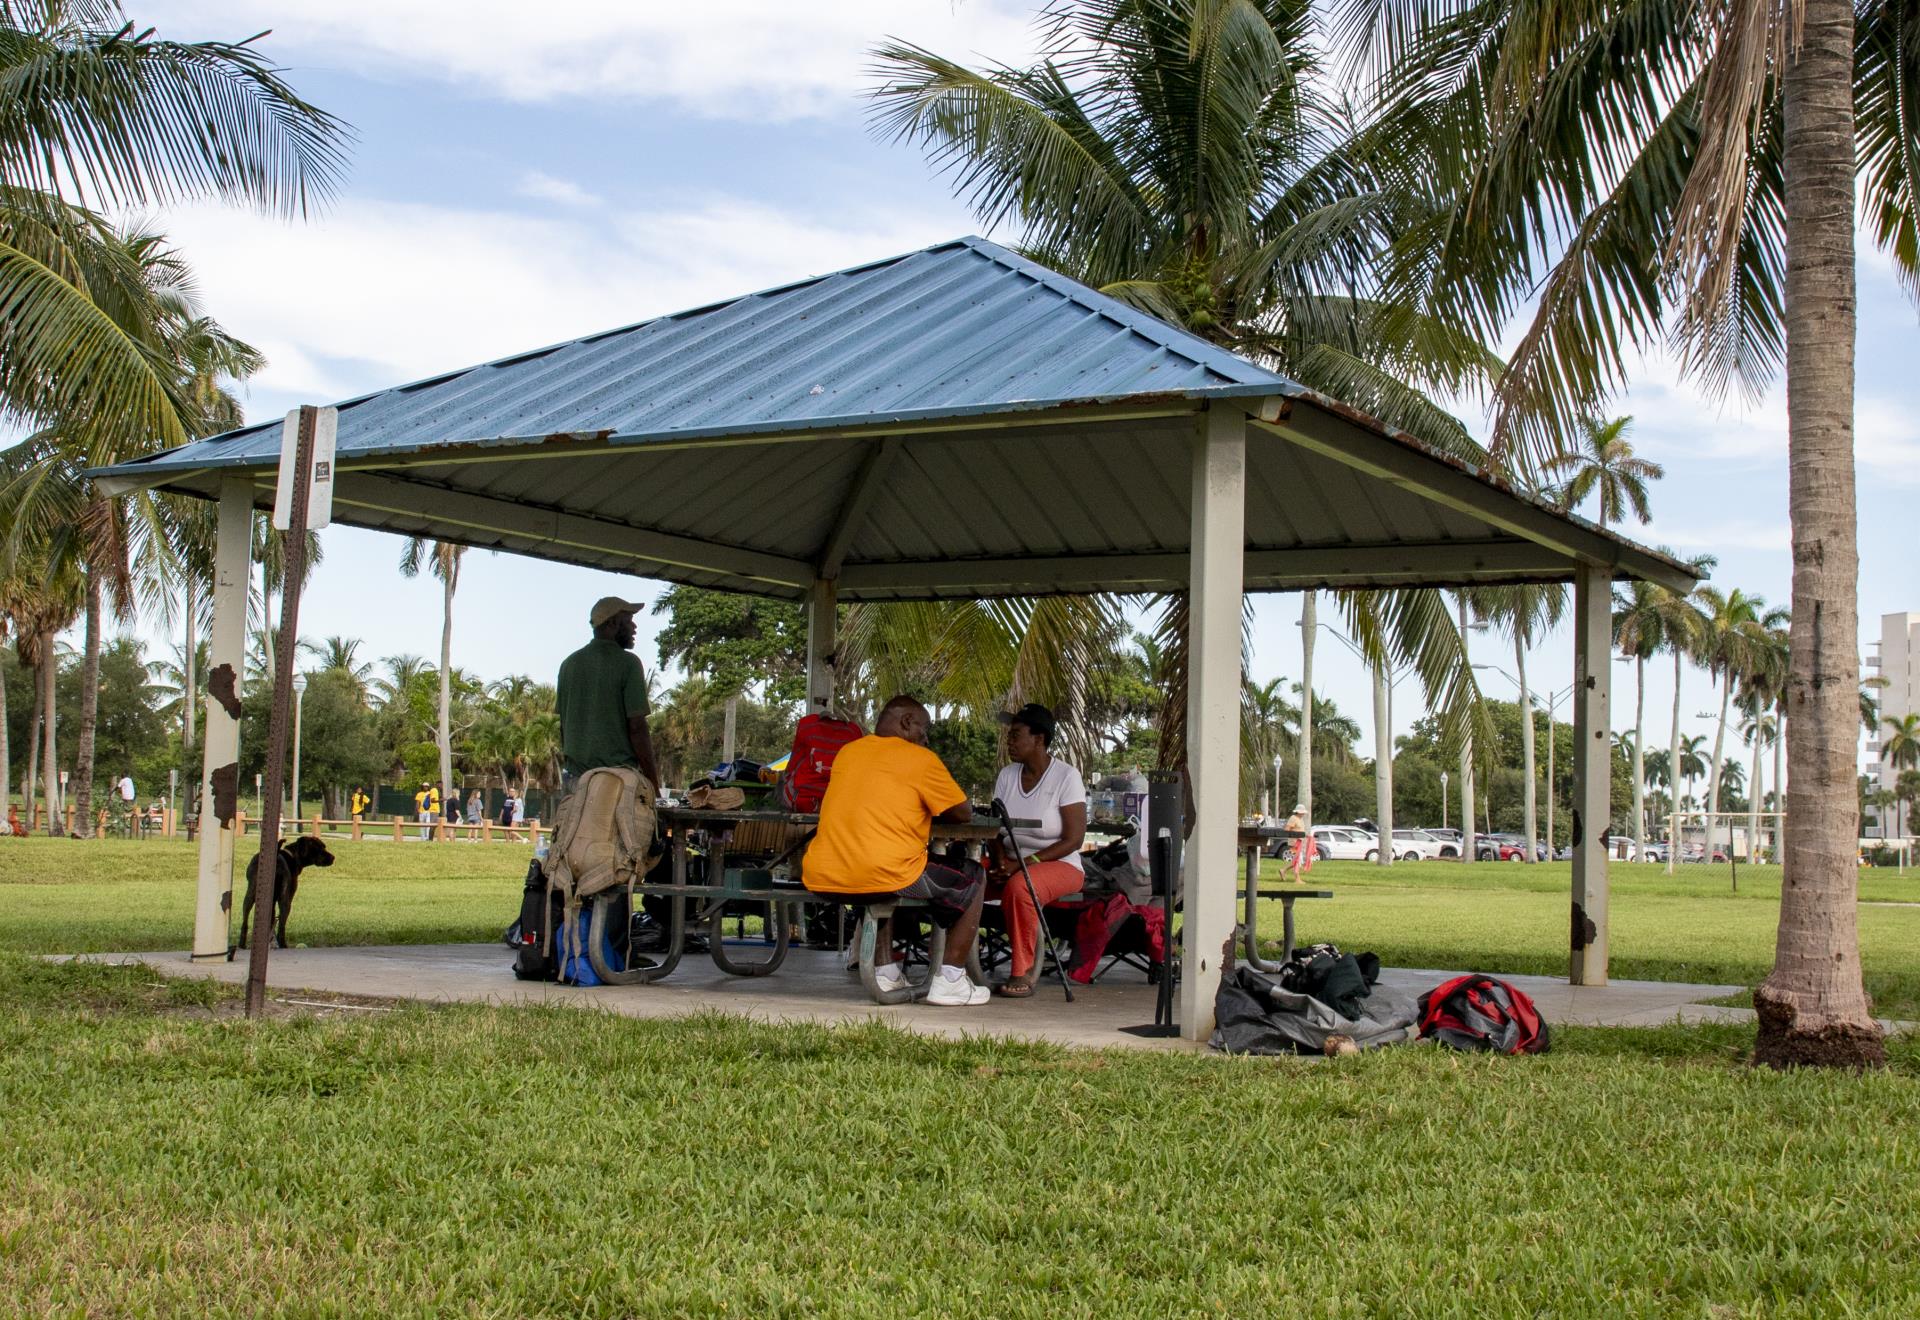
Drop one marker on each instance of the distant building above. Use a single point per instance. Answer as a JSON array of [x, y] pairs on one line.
[[1895, 658]]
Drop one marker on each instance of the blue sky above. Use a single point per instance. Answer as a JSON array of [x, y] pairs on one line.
[[526, 174]]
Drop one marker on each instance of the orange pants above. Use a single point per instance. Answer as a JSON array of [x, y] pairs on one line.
[[1051, 880]]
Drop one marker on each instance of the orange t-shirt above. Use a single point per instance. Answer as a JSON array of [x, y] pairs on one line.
[[875, 819]]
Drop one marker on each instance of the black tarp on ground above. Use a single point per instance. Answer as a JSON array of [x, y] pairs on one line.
[[1255, 1016]]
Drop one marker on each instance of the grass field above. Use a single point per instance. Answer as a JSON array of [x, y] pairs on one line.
[[66, 896], [161, 1157]]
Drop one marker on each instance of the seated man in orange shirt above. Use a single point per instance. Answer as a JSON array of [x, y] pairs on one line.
[[875, 821]]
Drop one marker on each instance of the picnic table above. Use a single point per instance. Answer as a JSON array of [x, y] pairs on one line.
[[783, 834]]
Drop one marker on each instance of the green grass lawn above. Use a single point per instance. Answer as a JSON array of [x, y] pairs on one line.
[[161, 1157], [72, 896]]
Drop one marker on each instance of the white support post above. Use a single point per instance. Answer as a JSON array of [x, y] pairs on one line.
[[220, 750], [1592, 771], [1213, 709], [822, 596]]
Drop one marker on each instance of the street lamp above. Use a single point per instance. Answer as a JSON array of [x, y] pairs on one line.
[[1443, 799], [299, 701]]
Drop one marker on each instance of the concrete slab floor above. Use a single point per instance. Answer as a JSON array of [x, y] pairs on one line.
[[812, 987]]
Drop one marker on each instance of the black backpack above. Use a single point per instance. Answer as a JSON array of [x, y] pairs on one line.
[[534, 957]]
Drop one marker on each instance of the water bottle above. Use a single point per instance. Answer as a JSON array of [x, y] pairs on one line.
[[540, 849], [1133, 805]]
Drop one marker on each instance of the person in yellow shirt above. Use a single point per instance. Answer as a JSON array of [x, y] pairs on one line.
[[875, 823], [361, 803]]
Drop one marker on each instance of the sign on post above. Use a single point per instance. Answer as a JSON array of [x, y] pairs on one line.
[[326, 425]]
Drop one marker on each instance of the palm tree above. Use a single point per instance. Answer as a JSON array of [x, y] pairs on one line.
[[1523, 612], [443, 558], [1193, 158], [102, 114], [342, 654], [1266, 718], [1870, 702], [1646, 620], [1900, 746], [1692, 759], [1733, 645], [1615, 167], [1189, 157], [1604, 463]]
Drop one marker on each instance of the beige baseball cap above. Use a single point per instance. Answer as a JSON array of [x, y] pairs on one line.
[[608, 606]]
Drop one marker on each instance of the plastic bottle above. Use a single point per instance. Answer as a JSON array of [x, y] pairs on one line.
[[1134, 807]]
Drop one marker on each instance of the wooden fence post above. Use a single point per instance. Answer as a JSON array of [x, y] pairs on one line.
[[100, 824], [396, 829], [356, 829], [239, 824], [69, 818]]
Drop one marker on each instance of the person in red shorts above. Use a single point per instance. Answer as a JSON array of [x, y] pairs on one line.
[[1040, 787]]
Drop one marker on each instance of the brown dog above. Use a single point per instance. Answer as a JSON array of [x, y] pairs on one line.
[[295, 857]]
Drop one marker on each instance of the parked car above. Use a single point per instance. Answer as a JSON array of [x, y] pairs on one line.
[[1449, 839], [1421, 846], [1341, 843], [1500, 848]]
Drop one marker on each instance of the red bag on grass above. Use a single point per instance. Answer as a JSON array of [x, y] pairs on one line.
[[1477, 1012]]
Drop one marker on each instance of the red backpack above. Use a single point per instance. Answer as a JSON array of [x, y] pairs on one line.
[[817, 739], [1479, 1013]]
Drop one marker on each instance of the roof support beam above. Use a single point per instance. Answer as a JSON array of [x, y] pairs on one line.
[[485, 514], [1330, 435], [1219, 513], [853, 514], [1398, 564]]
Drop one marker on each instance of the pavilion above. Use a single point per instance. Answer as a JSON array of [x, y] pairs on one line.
[[956, 422]]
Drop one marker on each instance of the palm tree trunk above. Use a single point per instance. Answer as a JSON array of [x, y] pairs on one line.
[[1713, 768], [1639, 759], [1309, 625], [1812, 1006], [190, 681], [445, 732], [1673, 765], [1466, 756], [30, 789], [6, 752], [89, 713], [1526, 742], [1383, 762], [1753, 796], [1780, 793], [49, 773]]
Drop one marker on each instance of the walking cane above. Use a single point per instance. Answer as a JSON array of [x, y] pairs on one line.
[[1039, 913]]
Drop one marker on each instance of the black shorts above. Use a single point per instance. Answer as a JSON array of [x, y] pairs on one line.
[[947, 891]]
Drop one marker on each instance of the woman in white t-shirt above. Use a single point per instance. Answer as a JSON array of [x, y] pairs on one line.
[[1040, 788]]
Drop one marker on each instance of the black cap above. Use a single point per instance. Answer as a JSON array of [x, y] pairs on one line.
[[1035, 716]]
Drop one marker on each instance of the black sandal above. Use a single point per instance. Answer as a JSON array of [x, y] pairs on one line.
[[1014, 989]]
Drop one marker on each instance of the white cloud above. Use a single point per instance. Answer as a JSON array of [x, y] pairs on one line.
[[745, 59], [378, 293], [545, 188], [1689, 535]]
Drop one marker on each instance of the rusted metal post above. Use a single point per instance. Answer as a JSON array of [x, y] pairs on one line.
[[219, 822], [268, 869]]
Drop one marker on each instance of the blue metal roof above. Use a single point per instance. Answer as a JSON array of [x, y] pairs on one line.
[[953, 422], [956, 330]]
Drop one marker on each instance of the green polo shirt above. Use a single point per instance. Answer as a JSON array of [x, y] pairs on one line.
[[601, 685]]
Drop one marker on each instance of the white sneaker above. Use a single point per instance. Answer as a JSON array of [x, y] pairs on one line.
[[961, 993], [890, 976]]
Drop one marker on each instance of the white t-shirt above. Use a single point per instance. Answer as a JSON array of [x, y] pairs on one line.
[[126, 788], [1061, 786]]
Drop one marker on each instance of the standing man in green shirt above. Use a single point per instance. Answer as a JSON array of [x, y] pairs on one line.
[[602, 695]]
